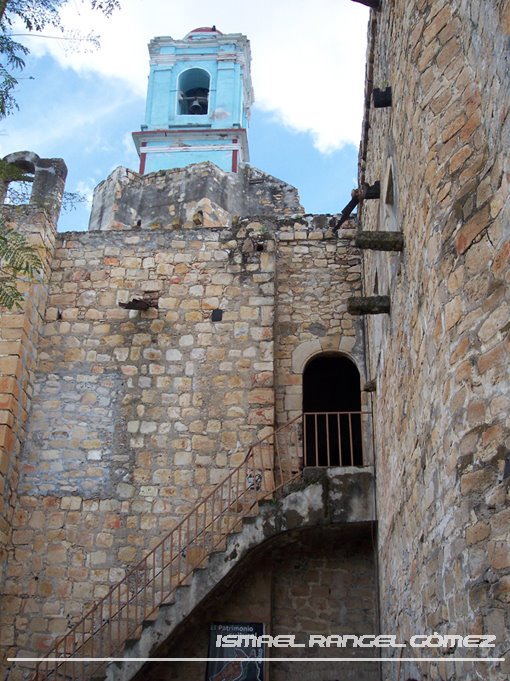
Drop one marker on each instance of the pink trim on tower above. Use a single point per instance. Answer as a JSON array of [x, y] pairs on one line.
[[235, 157]]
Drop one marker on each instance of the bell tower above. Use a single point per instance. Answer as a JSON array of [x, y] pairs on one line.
[[198, 101]]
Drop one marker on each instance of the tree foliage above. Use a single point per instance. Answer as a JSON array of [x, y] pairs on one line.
[[35, 15], [18, 260]]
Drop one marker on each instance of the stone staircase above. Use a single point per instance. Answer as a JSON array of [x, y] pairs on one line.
[[266, 495], [133, 604]]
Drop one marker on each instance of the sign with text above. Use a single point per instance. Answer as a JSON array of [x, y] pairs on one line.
[[235, 640]]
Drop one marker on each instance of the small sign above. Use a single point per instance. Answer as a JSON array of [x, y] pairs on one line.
[[236, 640]]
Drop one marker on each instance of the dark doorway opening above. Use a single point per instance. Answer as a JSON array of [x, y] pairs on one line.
[[332, 412]]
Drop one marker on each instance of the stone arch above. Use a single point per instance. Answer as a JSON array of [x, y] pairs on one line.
[[289, 404], [306, 351], [331, 382], [49, 175]]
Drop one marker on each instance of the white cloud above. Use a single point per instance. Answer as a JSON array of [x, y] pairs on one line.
[[308, 57], [60, 122]]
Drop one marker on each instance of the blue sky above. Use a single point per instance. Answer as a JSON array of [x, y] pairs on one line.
[[83, 107]]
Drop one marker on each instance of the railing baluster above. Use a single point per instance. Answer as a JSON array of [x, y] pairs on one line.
[[153, 601], [340, 448], [99, 625], [187, 548], [350, 439], [213, 540], [316, 441], [91, 654], [179, 561], [170, 559], [278, 459], [110, 615], [328, 458], [119, 610], [305, 440], [145, 588], [237, 494], [162, 572], [135, 601], [339, 440]]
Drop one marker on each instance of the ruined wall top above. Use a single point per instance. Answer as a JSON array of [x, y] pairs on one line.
[[200, 195], [47, 175]]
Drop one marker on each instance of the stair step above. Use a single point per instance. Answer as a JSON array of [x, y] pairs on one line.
[[182, 581], [220, 547], [134, 637], [149, 619]]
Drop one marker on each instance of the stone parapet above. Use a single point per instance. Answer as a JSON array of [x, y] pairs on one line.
[[200, 195]]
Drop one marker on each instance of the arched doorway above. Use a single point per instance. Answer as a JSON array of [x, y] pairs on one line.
[[332, 412]]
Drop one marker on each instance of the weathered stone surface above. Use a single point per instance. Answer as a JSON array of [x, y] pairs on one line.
[[201, 195], [294, 583], [441, 360], [138, 413]]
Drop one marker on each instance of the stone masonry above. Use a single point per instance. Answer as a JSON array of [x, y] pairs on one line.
[[20, 329], [441, 357]]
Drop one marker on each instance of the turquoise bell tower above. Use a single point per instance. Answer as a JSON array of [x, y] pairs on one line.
[[198, 102]]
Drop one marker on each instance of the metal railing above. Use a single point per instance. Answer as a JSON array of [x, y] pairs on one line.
[[335, 438], [119, 617]]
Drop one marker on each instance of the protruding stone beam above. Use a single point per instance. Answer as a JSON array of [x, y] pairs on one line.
[[373, 4], [368, 305], [346, 212], [380, 241], [370, 386]]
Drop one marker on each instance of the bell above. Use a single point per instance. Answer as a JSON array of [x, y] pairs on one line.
[[195, 107]]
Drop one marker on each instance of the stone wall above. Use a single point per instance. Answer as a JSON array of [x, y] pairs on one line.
[[318, 269], [441, 357], [142, 399], [197, 195], [20, 332], [136, 414], [19, 339]]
